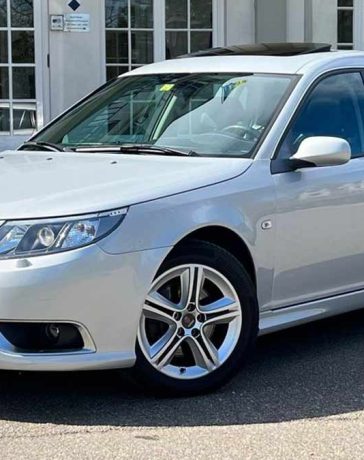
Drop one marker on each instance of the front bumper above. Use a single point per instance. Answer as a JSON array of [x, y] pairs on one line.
[[100, 293]]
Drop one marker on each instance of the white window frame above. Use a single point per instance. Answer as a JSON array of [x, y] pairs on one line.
[[354, 10], [129, 65], [11, 66], [40, 18], [218, 25], [159, 28]]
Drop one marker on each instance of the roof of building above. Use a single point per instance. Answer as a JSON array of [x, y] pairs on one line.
[[296, 64]]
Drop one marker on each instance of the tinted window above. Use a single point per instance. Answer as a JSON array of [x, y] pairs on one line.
[[334, 108]]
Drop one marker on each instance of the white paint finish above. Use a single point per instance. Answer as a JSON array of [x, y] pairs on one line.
[[283, 318], [41, 44], [324, 21], [266, 64], [270, 21], [359, 24], [295, 20], [159, 32], [320, 251], [219, 21], [312, 204], [76, 183], [240, 22], [76, 59], [84, 287], [301, 64], [324, 151]]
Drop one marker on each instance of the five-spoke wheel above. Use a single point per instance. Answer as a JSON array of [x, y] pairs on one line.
[[191, 321], [198, 321]]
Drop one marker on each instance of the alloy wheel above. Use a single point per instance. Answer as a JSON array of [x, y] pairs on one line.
[[191, 321]]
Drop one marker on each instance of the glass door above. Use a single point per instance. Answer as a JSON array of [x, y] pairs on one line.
[[139, 32], [18, 115], [129, 35], [345, 24], [189, 26]]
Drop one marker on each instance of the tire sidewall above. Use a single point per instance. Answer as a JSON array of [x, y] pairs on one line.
[[210, 255]]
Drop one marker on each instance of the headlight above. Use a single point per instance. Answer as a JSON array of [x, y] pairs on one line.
[[46, 236]]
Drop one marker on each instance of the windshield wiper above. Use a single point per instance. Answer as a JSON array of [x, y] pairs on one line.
[[137, 149], [44, 145]]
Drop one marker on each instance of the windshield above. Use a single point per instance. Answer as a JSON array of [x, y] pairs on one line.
[[209, 114]]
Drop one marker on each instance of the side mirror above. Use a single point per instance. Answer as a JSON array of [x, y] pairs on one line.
[[321, 151]]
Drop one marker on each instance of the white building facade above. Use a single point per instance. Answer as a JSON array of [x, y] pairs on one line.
[[53, 52]]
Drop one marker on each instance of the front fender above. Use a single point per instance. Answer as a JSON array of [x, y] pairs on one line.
[[239, 205]]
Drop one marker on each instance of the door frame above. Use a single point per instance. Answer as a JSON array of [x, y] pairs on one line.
[[358, 25], [42, 77], [218, 27]]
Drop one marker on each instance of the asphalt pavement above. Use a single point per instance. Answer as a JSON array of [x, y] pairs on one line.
[[301, 396]]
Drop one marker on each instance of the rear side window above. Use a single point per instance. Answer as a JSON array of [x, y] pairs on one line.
[[335, 107]]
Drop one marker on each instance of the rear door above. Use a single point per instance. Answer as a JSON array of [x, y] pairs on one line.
[[320, 220]]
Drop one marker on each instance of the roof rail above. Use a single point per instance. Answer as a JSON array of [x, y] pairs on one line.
[[264, 49]]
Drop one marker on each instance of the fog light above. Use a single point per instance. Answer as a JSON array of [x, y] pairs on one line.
[[53, 332], [46, 236]]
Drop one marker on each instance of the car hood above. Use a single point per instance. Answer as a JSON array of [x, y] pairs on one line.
[[47, 184]]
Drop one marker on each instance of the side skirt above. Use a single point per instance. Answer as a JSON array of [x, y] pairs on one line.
[[283, 318]]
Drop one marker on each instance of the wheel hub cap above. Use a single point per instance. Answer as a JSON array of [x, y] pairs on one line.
[[191, 321], [188, 320]]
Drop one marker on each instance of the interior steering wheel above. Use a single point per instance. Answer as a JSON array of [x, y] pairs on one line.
[[240, 131]]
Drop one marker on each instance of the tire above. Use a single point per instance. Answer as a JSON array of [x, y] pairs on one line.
[[233, 329]]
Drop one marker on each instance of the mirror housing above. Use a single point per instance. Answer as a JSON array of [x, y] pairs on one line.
[[321, 151]]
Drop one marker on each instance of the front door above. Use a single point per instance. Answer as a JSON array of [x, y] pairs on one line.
[[320, 215]]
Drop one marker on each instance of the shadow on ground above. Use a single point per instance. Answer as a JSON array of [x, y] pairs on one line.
[[311, 371]]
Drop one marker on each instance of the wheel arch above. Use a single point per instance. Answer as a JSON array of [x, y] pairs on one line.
[[228, 240]]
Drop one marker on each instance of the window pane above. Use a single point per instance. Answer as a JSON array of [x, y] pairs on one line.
[[4, 119], [3, 14], [201, 41], [21, 13], [142, 47], [345, 26], [196, 112], [116, 13], [4, 83], [114, 71], [176, 14], [201, 14], [23, 47], [330, 110], [141, 14], [4, 47], [24, 117], [116, 47], [345, 47], [24, 82], [176, 44], [346, 2]]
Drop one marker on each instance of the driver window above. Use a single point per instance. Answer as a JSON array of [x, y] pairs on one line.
[[335, 108]]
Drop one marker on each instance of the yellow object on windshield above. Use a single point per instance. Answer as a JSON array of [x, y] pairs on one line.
[[167, 87]]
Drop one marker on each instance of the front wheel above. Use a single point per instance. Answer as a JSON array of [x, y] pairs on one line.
[[198, 323]]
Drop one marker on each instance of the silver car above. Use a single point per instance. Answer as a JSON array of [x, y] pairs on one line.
[[170, 217]]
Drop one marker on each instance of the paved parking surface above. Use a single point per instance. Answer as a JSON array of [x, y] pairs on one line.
[[301, 397]]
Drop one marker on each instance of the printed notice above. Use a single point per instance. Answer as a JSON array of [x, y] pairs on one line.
[[74, 22]]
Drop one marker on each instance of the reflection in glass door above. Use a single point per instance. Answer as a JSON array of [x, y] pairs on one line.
[[129, 35], [139, 32], [345, 25], [188, 26], [17, 68]]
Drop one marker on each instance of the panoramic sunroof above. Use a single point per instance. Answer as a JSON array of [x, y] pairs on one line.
[[265, 49]]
